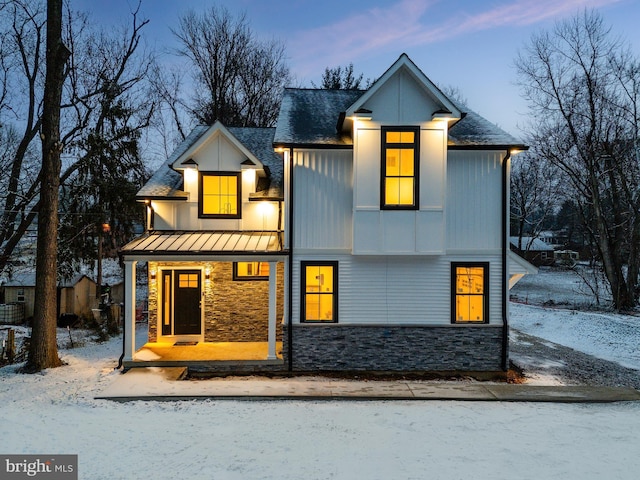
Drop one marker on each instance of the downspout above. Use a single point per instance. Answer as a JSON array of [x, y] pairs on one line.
[[505, 246], [290, 254]]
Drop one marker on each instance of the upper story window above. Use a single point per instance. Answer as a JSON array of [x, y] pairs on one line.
[[220, 194], [399, 178]]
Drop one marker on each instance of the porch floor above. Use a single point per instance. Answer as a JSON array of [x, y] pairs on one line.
[[206, 351]]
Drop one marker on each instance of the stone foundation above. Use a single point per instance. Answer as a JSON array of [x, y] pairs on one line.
[[467, 348]]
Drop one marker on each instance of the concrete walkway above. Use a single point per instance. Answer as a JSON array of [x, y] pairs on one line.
[[165, 384]]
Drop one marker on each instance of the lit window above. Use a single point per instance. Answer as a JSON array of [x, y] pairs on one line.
[[400, 155], [220, 195], [251, 271], [319, 291], [470, 292], [188, 280]]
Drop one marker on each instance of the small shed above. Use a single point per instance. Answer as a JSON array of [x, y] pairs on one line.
[[76, 296], [21, 289]]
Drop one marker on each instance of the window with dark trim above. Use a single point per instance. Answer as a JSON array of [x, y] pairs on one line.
[[219, 195], [399, 168], [250, 271], [470, 292], [319, 292]]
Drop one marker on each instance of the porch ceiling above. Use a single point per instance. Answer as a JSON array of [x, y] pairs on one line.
[[177, 243]]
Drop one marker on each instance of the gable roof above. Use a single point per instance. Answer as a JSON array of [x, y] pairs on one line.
[[312, 117], [405, 63], [167, 183]]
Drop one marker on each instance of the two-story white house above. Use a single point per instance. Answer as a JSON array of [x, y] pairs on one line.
[[366, 232]]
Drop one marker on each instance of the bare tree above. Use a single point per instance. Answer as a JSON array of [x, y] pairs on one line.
[[343, 78], [106, 71], [582, 85], [43, 352], [534, 195], [238, 78]]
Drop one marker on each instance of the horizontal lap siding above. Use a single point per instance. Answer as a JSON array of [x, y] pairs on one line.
[[398, 290]]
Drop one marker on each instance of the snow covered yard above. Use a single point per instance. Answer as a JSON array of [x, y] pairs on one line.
[[55, 412]]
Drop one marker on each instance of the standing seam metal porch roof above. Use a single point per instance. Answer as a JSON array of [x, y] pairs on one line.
[[205, 242]]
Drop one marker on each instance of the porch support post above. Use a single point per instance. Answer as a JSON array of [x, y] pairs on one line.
[[273, 276], [130, 309]]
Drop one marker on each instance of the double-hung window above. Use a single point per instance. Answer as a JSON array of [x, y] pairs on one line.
[[319, 291], [219, 195], [399, 176], [470, 292]]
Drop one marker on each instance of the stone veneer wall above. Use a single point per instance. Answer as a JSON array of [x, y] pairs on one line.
[[235, 311], [474, 348], [238, 311]]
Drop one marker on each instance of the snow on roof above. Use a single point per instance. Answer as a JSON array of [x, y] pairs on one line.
[[531, 244], [29, 280], [168, 183], [310, 116], [476, 131]]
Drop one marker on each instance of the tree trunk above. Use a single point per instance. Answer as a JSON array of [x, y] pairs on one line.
[[43, 351]]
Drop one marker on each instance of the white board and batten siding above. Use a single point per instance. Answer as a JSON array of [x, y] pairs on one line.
[[398, 290], [474, 201], [216, 155], [398, 232], [322, 199]]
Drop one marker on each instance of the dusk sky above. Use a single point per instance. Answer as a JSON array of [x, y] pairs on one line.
[[469, 44]]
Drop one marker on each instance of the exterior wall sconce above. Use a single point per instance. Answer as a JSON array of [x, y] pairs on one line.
[[207, 274], [152, 274], [362, 114], [190, 163], [441, 115]]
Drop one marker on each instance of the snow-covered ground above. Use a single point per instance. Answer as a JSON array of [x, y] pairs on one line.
[[55, 412]]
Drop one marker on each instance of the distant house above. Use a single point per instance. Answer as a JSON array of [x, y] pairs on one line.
[[534, 250], [366, 232], [76, 296]]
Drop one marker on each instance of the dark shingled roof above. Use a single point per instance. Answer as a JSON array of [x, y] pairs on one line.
[[259, 141], [166, 183], [308, 117], [476, 131]]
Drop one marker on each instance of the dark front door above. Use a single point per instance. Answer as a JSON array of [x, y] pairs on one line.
[[186, 305]]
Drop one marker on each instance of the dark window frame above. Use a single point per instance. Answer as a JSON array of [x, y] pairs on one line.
[[485, 293], [303, 289], [201, 176], [240, 278], [416, 166]]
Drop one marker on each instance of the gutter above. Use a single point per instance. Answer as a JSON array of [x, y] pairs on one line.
[[505, 246]]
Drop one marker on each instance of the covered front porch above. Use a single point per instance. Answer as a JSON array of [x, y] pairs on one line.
[[216, 310]]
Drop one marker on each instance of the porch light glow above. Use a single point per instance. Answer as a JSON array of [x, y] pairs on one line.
[[362, 114], [152, 274], [207, 274]]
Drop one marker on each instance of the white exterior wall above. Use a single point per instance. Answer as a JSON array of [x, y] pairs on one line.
[[322, 196], [474, 201], [398, 290]]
